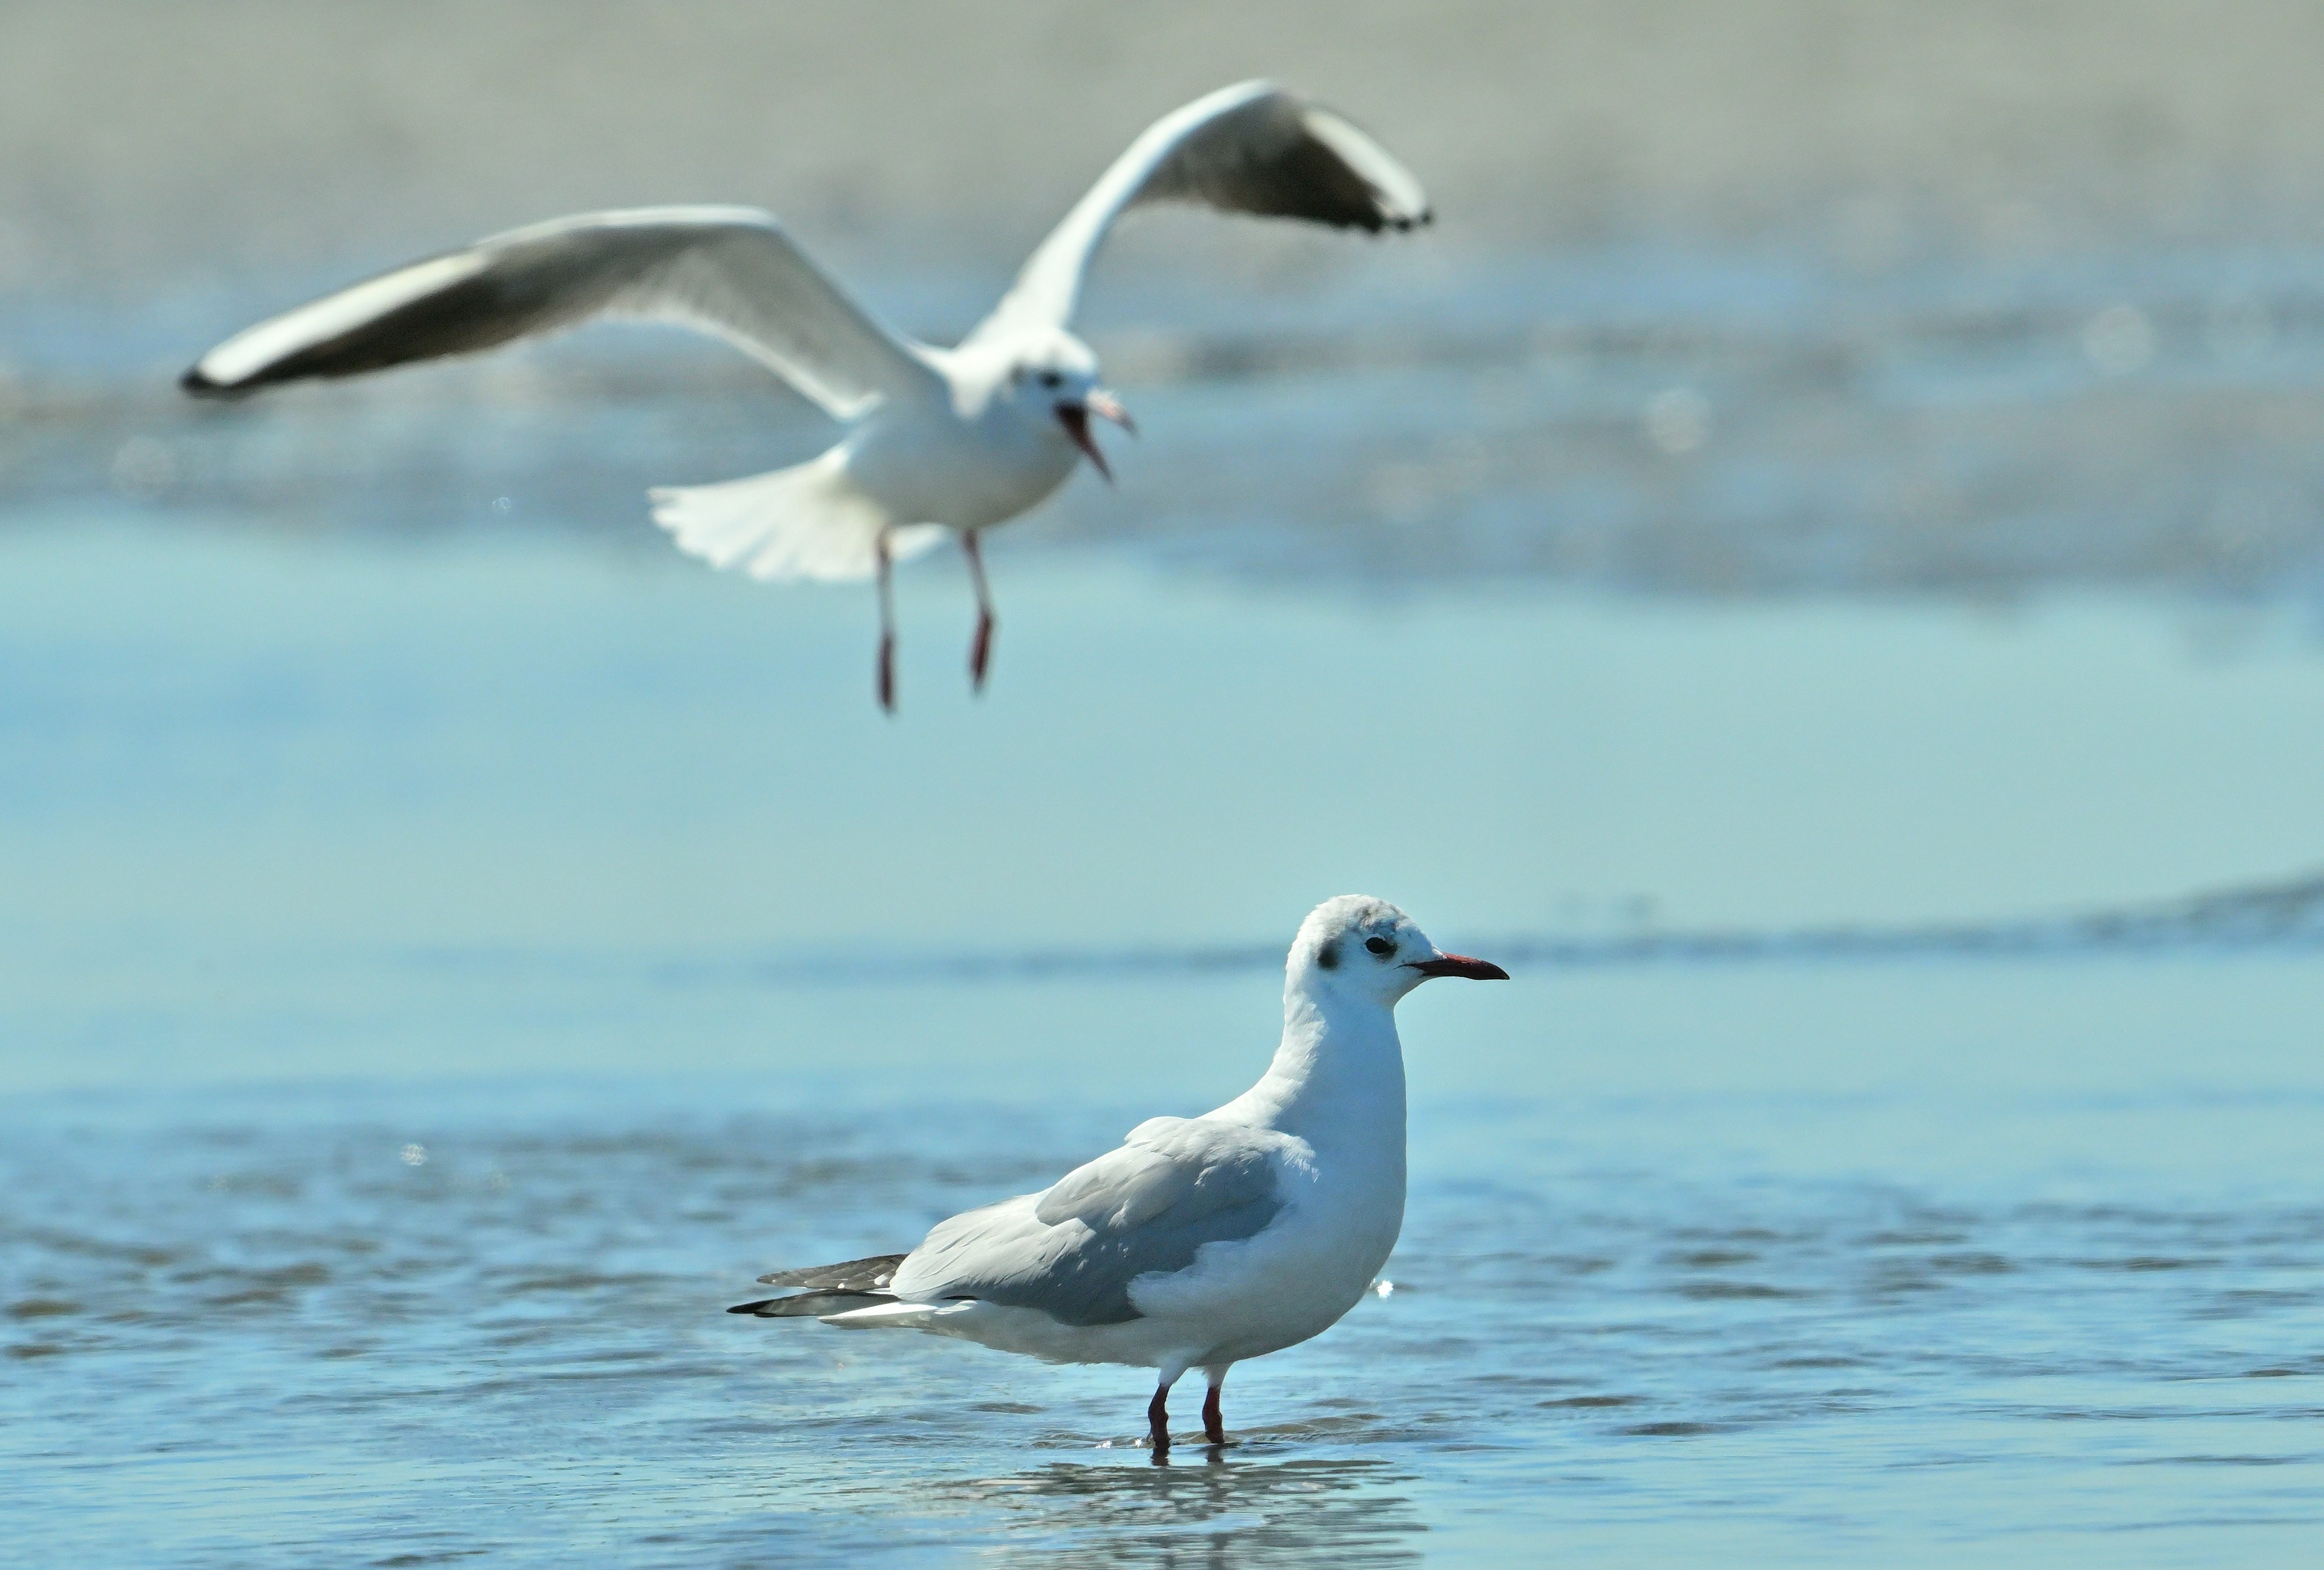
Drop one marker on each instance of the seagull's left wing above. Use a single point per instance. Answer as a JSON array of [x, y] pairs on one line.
[[730, 272], [1251, 148], [1149, 1205]]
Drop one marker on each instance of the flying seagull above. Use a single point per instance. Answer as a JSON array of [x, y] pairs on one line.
[[1200, 1241], [959, 438]]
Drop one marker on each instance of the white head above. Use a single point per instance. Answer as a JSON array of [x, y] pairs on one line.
[[1357, 947], [1049, 380]]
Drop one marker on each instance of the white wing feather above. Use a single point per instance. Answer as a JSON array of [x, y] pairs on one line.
[[731, 272]]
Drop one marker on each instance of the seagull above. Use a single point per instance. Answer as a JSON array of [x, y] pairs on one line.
[[937, 440], [1200, 1241]]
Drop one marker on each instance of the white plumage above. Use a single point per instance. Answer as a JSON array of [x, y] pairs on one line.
[[956, 440], [1202, 1241]]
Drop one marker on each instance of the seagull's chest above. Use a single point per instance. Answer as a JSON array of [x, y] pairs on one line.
[[968, 472], [1349, 1186], [1350, 1209], [1343, 1210]]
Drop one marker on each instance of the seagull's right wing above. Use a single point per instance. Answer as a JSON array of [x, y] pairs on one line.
[[1251, 148], [731, 272], [1149, 1205]]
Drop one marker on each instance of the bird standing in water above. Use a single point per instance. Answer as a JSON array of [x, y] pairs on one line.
[[937, 439], [1200, 1241]]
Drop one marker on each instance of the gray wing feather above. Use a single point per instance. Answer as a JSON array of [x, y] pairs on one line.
[[865, 1275], [1073, 1252], [1251, 148], [731, 272]]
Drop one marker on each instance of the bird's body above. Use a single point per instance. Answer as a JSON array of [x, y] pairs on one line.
[[967, 460], [1200, 1243], [938, 439]]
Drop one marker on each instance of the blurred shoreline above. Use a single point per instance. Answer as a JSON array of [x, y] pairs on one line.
[[2276, 916], [1660, 424], [1798, 299], [149, 143]]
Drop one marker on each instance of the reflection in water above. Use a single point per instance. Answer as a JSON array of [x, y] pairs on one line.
[[1204, 1507]]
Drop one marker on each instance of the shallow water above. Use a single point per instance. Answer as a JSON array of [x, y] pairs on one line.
[[1954, 1315], [440, 977]]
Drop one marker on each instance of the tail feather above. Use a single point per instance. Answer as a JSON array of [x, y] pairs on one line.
[[810, 521], [839, 1289], [813, 1304], [896, 1314]]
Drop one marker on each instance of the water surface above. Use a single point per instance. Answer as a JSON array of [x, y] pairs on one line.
[[439, 977]]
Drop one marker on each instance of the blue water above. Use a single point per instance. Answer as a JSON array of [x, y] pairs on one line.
[[436, 977]]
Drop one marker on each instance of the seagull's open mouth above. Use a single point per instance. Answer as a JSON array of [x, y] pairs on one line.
[[1075, 418], [1459, 965]]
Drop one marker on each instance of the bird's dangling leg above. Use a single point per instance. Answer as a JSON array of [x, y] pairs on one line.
[[979, 653], [887, 624], [1157, 1421], [1214, 1422]]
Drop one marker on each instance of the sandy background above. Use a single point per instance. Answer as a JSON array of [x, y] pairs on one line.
[[145, 140]]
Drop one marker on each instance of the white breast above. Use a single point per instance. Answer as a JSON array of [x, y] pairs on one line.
[[928, 465], [1298, 1277]]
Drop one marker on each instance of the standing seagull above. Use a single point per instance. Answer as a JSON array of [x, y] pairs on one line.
[[958, 439], [1201, 1242]]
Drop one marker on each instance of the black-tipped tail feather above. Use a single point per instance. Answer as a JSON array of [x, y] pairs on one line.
[[812, 1305], [829, 1289]]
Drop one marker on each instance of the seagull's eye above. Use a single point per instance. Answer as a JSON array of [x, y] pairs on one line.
[[1051, 379], [1379, 946]]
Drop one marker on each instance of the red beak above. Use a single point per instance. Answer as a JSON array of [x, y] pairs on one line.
[[1106, 406], [1459, 965], [1075, 418]]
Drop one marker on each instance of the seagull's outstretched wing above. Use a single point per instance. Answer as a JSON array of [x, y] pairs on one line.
[[1251, 148], [728, 271], [1175, 1185]]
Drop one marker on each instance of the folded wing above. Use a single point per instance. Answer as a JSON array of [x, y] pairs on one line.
[[1175, 1186], [731, 272], [1252, 148]]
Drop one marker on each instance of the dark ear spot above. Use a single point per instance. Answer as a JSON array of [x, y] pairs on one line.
[[1328, 956]]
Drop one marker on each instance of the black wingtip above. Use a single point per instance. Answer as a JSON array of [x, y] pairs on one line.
[[197, 385]]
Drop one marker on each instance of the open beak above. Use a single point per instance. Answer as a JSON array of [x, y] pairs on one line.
[[1106, 406], [1075, 418], [1459, 965]]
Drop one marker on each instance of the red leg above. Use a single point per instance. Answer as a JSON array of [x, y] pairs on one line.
[[887, 627], [1214, 1423], [979, 653], [1158, 1419]]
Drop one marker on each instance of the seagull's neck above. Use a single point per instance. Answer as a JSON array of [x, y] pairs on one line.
[[1338, 1074]]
